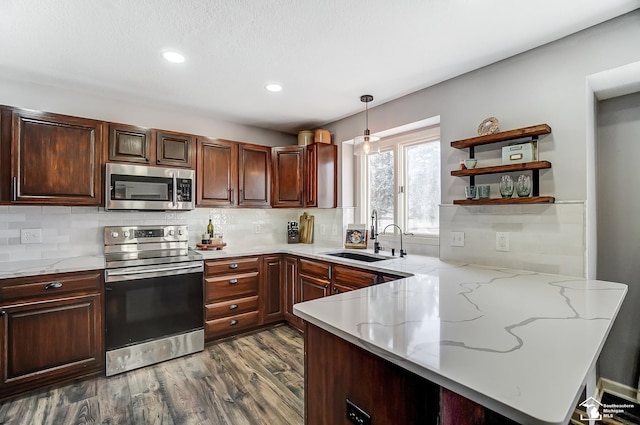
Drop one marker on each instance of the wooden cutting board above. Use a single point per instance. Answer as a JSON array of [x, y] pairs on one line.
[[306, 228]]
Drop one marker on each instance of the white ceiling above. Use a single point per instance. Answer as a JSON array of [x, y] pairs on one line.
[[326, 53]]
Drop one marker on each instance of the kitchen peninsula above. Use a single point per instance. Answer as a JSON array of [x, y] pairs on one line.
[[518, 343]]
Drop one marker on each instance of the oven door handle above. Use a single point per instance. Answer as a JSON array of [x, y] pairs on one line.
[[115, 275]]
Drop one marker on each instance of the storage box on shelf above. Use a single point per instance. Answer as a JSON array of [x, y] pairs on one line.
[[534, 166]]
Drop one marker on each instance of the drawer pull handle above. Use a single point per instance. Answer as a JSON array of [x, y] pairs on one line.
[[233, 281], [233, 322], [233, 306], [233, 265], [53, 285]]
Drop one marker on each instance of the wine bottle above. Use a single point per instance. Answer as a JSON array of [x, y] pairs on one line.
[[210, 229]]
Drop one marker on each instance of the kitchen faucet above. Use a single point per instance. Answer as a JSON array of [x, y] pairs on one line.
[[374, 231], [402, 251]]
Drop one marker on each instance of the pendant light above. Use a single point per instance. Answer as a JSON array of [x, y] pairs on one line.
[[365, 144]]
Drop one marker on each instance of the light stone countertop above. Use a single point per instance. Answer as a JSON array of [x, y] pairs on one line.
[[520, 343]]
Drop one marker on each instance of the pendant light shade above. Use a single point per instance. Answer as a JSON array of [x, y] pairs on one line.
[[365, 144]]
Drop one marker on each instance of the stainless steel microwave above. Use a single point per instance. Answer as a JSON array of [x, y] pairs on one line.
[[141, 187]]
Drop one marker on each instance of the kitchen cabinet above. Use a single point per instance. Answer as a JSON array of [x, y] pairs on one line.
[[51, 330], [314, 279], [534, 166], [56, 159], [231, 295], [232, 174], [288, 176], [348, 278], [291, 290], [142, 145], [305, 176], [272, 289], [254, 180], [321, 175]]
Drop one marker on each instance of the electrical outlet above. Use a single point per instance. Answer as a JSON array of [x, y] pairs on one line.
[[323, 229], [334, 230], [30, 236], [257, 228], [356, 415], [502, 241], [457, 238]]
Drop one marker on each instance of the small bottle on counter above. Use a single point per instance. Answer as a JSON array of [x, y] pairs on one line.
[[210, 229]]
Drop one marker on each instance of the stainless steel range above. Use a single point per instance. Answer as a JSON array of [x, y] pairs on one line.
[[153, 296]]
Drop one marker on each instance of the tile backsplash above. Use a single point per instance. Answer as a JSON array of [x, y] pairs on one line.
[[548, 238], [76, 231]]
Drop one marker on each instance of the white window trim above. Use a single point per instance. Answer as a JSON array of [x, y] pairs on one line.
[[430, 134]]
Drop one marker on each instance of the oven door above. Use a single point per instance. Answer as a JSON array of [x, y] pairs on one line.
[[150, 302]]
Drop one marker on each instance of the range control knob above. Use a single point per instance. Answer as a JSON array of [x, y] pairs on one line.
[[171, 232], [180, 232], [114, 234], [126, 234]]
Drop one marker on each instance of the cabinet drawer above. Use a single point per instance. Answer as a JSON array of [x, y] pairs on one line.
[[231, 286], [353, 277], [315, 268], [231, 307], [230, 324], [233, 265], [53, 286]]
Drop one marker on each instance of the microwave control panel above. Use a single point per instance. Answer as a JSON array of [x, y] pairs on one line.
[[184, 190]]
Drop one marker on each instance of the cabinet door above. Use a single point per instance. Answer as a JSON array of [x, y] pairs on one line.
[[56, 159], [355, 278], [174, 149], [129, 144], [321, 168], [42, 342], [217, 173], [291, 290], [255, 175], [272, 298], [288, 176], [312, 288]]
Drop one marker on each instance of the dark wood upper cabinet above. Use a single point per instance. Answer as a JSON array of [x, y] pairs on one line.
[[254, 180], [129, 143], [288, 176], [56, 159], [321, 175], [217, 173], [174, 149]]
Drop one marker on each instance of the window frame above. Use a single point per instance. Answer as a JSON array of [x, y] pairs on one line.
[[398, 144]]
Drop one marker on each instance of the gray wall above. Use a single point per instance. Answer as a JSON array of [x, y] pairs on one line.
[[618, 206], [28, 93], [544, 85]]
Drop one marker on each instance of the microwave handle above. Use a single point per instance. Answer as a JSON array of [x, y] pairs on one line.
[[175, 190]]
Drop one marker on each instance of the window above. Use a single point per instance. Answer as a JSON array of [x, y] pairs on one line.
[[402, 183]]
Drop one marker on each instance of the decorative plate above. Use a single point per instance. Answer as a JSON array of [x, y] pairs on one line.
[[355, 236], [488, 126]]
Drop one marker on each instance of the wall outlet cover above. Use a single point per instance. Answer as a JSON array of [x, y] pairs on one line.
[[457, 238], [502, 241], [28, 236]]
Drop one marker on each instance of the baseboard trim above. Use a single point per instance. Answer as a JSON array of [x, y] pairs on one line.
[[617, 389]]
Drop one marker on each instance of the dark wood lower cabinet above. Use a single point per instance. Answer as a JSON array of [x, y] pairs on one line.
[[272, 290], [336, 371], [49, 339], [312, 288]]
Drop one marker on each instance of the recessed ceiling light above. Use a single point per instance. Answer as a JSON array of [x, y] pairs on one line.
[[274, 87], [174, 57]]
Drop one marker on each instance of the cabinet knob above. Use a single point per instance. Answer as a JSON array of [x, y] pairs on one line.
[[233, 265], [53, 285], [233, 322], [233, 306], [2, 313], [233, 281]]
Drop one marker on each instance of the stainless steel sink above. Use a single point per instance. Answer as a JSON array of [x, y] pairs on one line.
[[358, 256]]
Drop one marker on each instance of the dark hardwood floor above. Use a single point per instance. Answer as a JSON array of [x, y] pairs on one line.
[[251, 379]]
